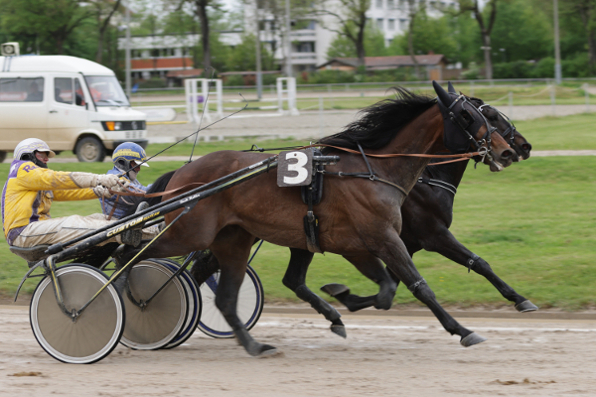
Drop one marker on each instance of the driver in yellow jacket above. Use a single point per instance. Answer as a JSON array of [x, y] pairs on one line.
[[30, 189]]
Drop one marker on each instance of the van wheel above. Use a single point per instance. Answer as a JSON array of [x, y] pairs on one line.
[[2, 157], [90, 150]]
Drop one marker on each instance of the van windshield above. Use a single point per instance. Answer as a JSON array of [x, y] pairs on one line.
[[106, 91]]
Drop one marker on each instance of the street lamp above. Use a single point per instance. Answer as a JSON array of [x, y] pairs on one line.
[[503, 54], [557, 45]]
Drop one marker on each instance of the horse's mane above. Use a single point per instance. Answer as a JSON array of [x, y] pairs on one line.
[[379, 123]]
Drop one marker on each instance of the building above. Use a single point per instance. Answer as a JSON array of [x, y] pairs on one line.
[[434, 65], [159, 55]]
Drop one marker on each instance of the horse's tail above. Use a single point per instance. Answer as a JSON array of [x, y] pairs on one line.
[[158, 186]]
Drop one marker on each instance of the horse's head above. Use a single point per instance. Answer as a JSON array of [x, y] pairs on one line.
[[465, 128], [505, 128]]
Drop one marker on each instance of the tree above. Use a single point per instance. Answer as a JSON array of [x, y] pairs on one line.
[[522, 32], [429, 34], [43, 23], [585, 11], [243, 56], [104, 11], [374, 45], [486, 27], [349, 21]]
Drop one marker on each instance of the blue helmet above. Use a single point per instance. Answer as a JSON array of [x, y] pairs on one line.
[[127, 152]]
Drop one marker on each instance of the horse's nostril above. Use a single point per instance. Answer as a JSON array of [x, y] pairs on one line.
[[506, 154], [527, 147]]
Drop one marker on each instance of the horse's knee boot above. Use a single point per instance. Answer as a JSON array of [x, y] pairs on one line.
[[317, 303]]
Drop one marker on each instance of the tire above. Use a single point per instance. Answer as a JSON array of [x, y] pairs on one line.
[[90, 149], [249, 306], [160, 322], [98, 329], [195, 304], [2, 156]]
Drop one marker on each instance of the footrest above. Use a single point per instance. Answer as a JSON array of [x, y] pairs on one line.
[[30, 254]]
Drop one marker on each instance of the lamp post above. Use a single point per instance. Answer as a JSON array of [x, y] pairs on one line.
[[558, 75], [127, 50], [289, 41], [258, 55]]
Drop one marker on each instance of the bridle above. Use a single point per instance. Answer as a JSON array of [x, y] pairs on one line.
[[461, 113], [509, 133]]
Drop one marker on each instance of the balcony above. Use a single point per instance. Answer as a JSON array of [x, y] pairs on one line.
[[303, 35], [304, 58]]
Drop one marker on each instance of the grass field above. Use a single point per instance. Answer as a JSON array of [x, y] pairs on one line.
[[533, 223]]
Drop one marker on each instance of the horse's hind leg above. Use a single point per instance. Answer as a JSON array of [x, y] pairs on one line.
[[372, 268], [295, 279], [447, 245], [395, 255], [232, 248]]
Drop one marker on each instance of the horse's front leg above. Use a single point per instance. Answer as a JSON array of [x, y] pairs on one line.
[[295, 279], [232, 249], [373, 269], [394, 253], [447, 245]]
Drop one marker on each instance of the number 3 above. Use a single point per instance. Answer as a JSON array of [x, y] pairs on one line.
[[297, 167]]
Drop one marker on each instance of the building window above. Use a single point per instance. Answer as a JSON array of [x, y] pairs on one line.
[[307, 46], [380, 23], [312, 24], [379, 4], [390, 4], [403, 24], [391, 24], [402, 5]]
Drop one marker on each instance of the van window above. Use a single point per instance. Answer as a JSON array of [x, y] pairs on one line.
[[63, 90], [106, 91], [21, 90]]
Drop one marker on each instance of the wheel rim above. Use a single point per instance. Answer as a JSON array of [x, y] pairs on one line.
[[94, 334], [161, 320], [194, 305], [249, 305], [89, 151]]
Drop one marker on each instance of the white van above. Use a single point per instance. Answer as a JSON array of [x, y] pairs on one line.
[[70, 103]]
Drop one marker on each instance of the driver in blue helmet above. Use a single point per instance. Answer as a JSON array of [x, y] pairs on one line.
[[127, 158]]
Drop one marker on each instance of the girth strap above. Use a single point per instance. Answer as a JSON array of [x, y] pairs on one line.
[[439, 183]]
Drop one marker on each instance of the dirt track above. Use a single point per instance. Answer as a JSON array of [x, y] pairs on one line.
[[382, 356]]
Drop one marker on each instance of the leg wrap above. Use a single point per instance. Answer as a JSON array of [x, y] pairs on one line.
[[416, 285], [472, 261]]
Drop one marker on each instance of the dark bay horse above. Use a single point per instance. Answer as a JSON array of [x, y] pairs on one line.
[[427, 215], [362, 220]]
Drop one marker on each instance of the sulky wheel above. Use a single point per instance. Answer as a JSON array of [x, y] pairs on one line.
[[195, 304], [155, 324], [95, 333], [249, 307]]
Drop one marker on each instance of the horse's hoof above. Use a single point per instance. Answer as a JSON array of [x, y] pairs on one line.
[[335, 289], [339, 330], [526, 306], [472, 339], [270, 351], [260, 350]]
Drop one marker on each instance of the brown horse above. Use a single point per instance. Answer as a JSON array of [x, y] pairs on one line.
[[360, 218]]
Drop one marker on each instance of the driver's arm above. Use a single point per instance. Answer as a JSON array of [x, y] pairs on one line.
[[74, 194]]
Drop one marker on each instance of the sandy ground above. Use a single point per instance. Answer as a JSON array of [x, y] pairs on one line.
[[382, 356]]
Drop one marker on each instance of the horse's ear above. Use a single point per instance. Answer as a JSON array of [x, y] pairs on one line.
[[450, 88], [444, 97]]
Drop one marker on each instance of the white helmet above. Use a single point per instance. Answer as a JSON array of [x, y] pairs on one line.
[[26, 149]]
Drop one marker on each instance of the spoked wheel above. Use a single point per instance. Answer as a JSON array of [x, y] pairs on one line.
[[195, 304], [95, 333], [249, 307], [155, 324]]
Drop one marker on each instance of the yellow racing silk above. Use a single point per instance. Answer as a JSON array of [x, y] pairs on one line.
[[28, 194]]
